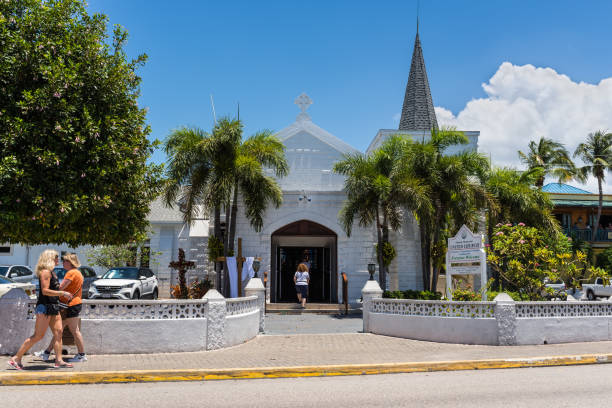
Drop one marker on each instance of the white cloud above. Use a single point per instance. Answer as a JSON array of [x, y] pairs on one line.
[[524, 103]]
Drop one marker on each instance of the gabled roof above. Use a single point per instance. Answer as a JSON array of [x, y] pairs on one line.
[[304, 123], [418, 110], [160, 213], [560, 188]]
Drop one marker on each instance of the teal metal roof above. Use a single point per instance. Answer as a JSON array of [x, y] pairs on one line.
[[563, 189]]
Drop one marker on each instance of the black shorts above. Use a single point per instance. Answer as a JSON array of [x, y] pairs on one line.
[[73, 311], [302, 290]]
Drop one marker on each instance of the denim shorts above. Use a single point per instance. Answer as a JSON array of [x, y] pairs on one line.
[[302, 290], [47, 309]]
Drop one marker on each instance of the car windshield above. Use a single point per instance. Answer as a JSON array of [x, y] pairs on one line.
[[3, 270], [121, 273], [4, 280], [60, 272]]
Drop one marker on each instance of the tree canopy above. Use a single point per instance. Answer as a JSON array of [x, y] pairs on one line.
[[73, 140]]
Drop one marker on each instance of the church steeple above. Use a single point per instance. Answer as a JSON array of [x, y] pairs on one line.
[[418, 111]]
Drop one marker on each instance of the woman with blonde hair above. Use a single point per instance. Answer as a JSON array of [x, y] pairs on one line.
[[301, 280], [47, 310]]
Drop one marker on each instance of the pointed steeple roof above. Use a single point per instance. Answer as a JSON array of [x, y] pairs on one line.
[[418, 111]]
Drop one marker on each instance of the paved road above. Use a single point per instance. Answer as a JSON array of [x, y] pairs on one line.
[[527, 387], [312, 324]]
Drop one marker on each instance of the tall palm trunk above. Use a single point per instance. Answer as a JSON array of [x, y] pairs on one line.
[[379, 249], [425, 255], [436, 271], [232, 229], [599, 207], [385, 239], [217, 234], [226, 237]]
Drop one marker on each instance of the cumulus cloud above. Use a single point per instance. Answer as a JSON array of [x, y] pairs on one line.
[[524, 103]]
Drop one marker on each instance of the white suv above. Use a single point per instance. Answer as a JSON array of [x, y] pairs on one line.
[[125, 283]]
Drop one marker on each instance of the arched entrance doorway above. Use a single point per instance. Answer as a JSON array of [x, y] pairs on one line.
[[304, 241]]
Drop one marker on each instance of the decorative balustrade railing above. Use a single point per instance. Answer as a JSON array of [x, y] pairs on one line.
[[562, 309], [139, 309], [237, 306], [408, 307]]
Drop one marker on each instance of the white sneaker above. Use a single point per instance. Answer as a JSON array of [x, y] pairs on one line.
[[43, 354], [78, 358]]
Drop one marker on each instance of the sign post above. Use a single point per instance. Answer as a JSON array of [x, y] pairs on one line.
[[466, 256]]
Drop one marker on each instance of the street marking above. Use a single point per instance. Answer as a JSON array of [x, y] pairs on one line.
[[107, 377]]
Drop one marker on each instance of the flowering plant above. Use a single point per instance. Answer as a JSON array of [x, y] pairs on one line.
[[527, 260]]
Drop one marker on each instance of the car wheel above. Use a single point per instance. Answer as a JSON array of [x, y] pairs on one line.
[[154, 294], [590, 295], [136, 295]]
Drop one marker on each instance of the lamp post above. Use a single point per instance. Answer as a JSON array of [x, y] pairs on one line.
[[256, 265], [371, 270]]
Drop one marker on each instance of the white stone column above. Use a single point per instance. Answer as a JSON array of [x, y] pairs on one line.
[[371, 290], [505, 315], [216, 312], [255, 287]]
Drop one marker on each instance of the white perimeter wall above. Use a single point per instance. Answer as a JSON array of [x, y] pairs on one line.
[[240, 328], [439, 329]]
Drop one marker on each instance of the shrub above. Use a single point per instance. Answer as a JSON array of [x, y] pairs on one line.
[[412, 294]]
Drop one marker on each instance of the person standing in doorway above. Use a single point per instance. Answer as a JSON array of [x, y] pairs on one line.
[[301, 280], [72, 283], [47, 310]]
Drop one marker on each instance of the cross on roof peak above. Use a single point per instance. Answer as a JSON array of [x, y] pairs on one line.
[[303, 101]]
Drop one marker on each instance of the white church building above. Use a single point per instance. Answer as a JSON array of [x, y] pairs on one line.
[[306, 224]]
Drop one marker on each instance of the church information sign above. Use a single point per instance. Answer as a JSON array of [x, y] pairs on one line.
[[466, 256]]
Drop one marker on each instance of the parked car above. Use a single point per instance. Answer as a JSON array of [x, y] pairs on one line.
[[7, 284], [558, 288], [125, 283], [17, 273], [89, 276], [600, 288]]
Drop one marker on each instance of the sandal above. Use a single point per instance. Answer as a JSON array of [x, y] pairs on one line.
[[65, 365], [15, 365]]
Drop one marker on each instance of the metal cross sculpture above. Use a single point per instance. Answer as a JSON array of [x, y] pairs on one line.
[[181, 266]]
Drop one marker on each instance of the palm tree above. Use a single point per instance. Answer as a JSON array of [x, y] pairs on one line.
[[211, 171], [456, 190], [379, 189], [596, 154], [552, 158], [515, 200]]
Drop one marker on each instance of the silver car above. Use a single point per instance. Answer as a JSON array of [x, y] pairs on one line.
[[89, 275], [17, 273]]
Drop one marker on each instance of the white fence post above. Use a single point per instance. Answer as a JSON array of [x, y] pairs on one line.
[[216, 312], [13, 315], [255, 287], [505, 315], [371, 290]]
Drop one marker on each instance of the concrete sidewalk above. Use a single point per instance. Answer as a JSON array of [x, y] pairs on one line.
[[316, 354]]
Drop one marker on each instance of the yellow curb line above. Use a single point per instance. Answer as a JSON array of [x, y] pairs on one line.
[[97, 377]]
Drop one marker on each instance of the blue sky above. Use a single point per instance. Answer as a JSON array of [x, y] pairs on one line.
[[353, 57]]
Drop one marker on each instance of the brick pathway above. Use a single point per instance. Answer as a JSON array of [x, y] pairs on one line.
[[318, 349]]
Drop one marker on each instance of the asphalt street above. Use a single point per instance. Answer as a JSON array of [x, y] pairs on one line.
[[526, 387]]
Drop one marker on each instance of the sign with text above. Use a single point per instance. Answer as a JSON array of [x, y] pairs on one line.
[[465, 256]]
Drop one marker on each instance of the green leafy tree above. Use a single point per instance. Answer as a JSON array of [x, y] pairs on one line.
[[73, 141], [552, 158], [526, 259], [379, 189], [596, 153], [111, 256]]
